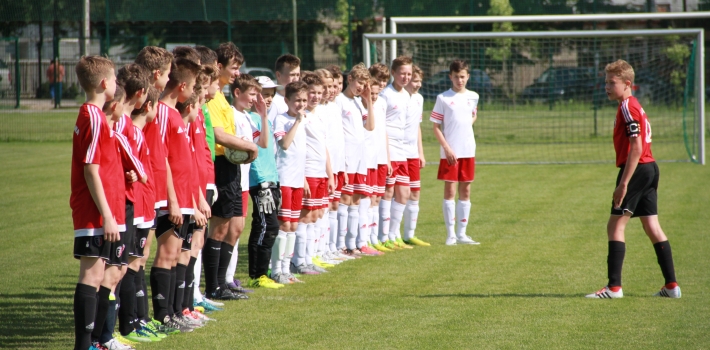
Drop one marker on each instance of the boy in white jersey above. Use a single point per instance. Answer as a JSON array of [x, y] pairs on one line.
[[397, 99], [355, 195], [290, 136], [453, 116], [288, 70], [415, 156], [319, 182]]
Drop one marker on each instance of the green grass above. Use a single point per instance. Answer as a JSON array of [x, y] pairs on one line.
[[543, 238]]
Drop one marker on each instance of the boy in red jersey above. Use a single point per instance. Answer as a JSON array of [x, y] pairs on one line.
[[636, 185], [158, 61], [93, 204]]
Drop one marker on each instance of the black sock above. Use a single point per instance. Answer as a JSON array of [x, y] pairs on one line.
[[126, 313], [140, 295], [102, 304], [210, 262], [110, 324], [179, 287], [225, 256], [84, 315], [160, 290], [190, 282], [614, 261], [171, 297], [665, 260], [145, 292]]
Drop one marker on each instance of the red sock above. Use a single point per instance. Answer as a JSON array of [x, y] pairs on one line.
[[671, 285], [615, 289]]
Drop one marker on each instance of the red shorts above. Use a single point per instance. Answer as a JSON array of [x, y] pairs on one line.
[[462, 171], [339, 179], [372, 180], [400, 174], [319, 189], [357, 183], [291, 204], [381, 180], [413, 165], [245, 203]]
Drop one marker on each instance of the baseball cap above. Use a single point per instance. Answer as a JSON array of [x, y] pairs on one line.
[[266, 82]]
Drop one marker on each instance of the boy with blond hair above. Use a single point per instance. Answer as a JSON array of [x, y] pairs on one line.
[[636, 185], [158, 61]]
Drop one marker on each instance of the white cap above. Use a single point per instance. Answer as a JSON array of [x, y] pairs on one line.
[[266, 82]]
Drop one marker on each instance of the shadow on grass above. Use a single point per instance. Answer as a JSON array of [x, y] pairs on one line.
[[35, 320], [502, 295]]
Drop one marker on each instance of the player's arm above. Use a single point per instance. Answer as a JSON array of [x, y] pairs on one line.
[[204, 207], [96, 188], [329, 171], [306, 188], [367, 98], [260, 105], [389, 162], [450, 155], [635, 149], [133, 163], [175, 216], [286, 141], [224, 139], [200, 218], [422, 160]]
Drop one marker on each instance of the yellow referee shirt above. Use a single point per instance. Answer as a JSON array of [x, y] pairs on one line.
[[222, 117]]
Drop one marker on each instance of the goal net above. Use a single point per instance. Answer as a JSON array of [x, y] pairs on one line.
[[542, 96]]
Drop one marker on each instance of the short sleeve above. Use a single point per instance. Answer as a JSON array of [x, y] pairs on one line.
[[437, 114], [279, 127], [91, 140], [217, 115], [632, 117], [129, 159]]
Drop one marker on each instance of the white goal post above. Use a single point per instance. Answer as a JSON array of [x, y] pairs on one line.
[[697, 32]]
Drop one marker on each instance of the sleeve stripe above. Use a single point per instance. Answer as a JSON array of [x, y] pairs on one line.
[[163, 121], [137, 165], [625, 111], [256, 134], [139, 139], [95, 124], [280, 133]]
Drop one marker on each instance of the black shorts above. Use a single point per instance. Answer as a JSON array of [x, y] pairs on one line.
[[117, 251], [228, 181], [641, 193], [164, 225], [91, 247], [187, 242], [141, 240], [210, 197], [155, 220], [130, 239], [264, 222]]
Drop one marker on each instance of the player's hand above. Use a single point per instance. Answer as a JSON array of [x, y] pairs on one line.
[[619, 194], [200, 219], [205, 209], [144, 179], [422, 161], [306, 190], [131, 176], [389, 169], [260, 105], [111, 233], [174, 214], [331, 185], [253, 152], [266, 201], [450, 156], [346, 179]]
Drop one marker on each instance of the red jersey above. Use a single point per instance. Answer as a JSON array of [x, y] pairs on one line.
[[631, 121], [197, 185], [205, 166], [94, 143], [143, 210], [120, 127], [180, 158], [129, 157], [158, 155]]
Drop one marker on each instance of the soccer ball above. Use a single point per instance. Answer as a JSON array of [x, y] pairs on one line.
[[235, 156]]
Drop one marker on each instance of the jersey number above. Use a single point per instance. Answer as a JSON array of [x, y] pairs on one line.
[[648, 132]]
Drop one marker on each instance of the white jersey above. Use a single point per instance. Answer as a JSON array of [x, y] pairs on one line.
[[335, 139], [290, 162], [316, 141], [397, 103], [455, 111], [380, 110], [278, 107], [411, 128], [243, 130], [353, 115]]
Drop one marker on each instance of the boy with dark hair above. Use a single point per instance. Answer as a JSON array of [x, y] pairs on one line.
[[207, 56], [636, 185], [188, 53], [454, 113], [288, 70], [227, 212], [381, 73], [96, 192], [158, 61], [415, 156]]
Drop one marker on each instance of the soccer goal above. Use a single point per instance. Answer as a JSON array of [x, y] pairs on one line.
[[542, 97]]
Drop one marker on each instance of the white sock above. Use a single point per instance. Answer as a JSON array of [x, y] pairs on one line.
[[353, 218], [288, 255], [411, 214], [310, 243], [374, 218], [396, 213], [232, 268], [198, 270], [449, 219], [463, 209], [277, 253], [333, 219], [363, 222], [342, 225], [384, 226], [299, 252], [323, 234]]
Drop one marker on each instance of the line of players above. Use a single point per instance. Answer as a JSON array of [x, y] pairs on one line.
[[332, 173]]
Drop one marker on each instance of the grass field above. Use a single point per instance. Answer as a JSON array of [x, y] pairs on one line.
[[542, 230]]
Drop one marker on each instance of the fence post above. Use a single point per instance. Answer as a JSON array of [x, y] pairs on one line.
[[17, 73]]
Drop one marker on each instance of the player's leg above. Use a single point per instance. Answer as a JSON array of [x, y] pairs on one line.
[[91, 273], [362, 198], [411, 211], [291, 225], [463, 211], [399, 201], [169, 244], [615, 258], [211, 252]]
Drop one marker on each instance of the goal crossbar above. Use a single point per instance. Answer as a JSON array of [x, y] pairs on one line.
[[699, 33]]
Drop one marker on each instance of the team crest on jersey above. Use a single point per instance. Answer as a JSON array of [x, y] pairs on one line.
[[142, 243], [76, 130], [98, 241], [119, 250]]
